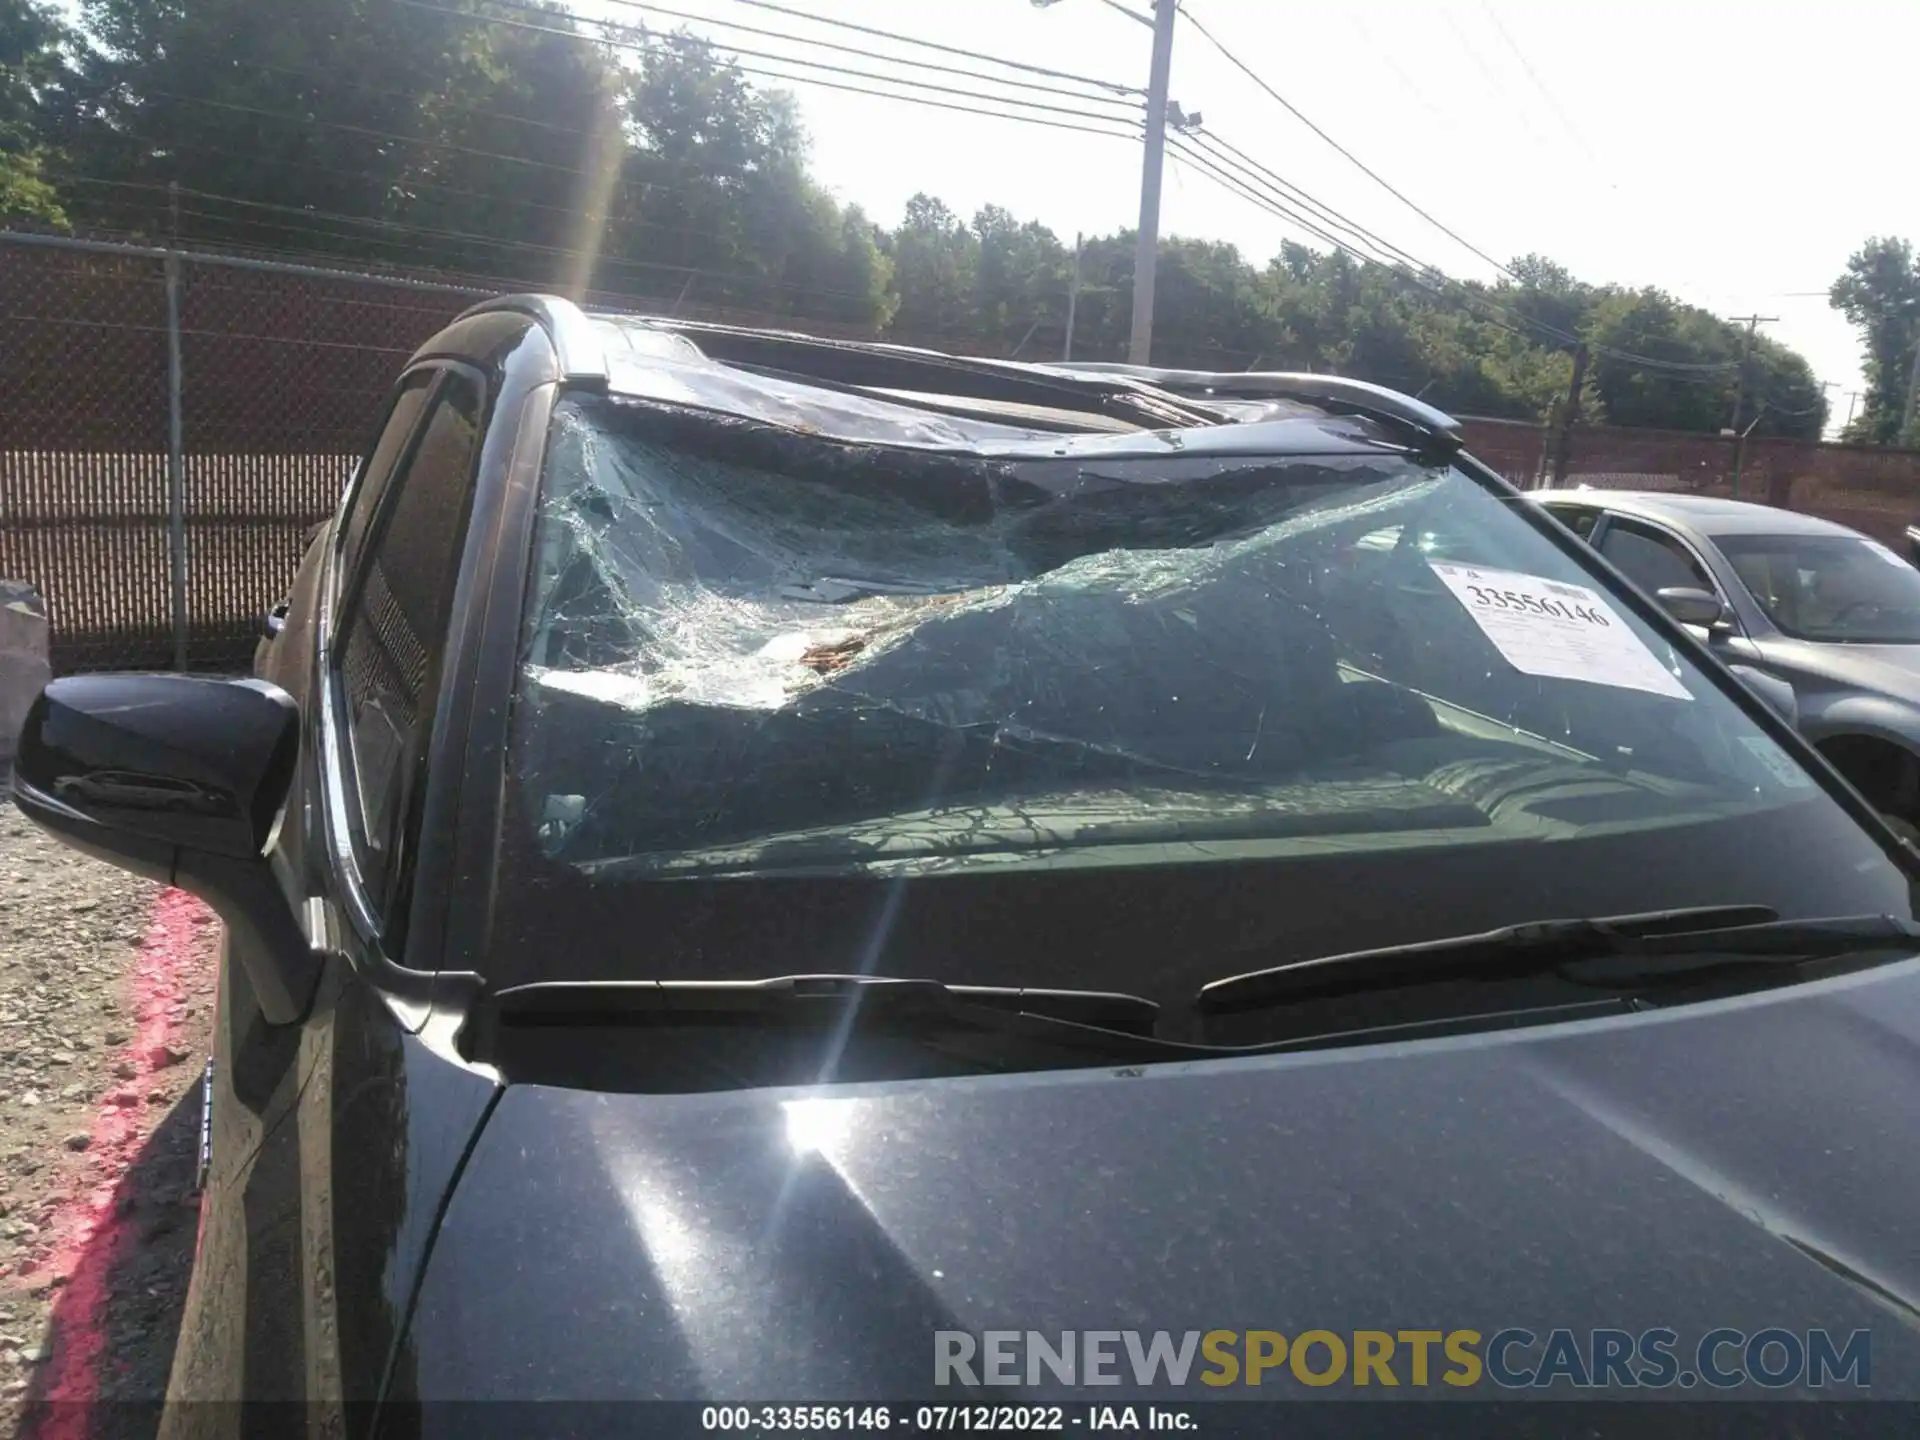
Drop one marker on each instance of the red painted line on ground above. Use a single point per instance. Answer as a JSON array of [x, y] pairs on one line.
[[91, 1235]]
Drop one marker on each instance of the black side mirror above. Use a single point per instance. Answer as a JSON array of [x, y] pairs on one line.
[[179, 779], [1692, 607]]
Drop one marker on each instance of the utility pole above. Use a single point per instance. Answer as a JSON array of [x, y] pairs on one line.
[[1073, 298], [1740, 448], [1563, 448], [1853, 399], [1746, 355], [1147, 241]]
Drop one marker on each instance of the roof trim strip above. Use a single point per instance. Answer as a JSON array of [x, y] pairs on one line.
[[581, 351], [1283, 385]]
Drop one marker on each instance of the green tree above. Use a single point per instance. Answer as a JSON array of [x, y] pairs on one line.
[[716, 207], [1670, 394], [1209, 310], [936, 262], [289, 111], [1020, 282], [494, 138], [527, 140], [34, 74], [1879, 293], [1545, 296]]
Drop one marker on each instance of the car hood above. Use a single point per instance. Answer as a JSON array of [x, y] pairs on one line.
[[1751, 1163]]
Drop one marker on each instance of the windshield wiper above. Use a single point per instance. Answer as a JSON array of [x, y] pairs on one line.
[[804, 996], [1116, 1026], [1619, 951]]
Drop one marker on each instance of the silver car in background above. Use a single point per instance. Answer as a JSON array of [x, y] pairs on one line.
[[1791, 599]]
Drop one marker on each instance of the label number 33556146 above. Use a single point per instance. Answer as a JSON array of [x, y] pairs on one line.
[[1535, 604], [1556, 629]]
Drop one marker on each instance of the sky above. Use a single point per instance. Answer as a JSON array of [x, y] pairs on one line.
[[1733, 155]]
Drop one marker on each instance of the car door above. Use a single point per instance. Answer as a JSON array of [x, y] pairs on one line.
[[334, 1138], [1652, 556], [1656, 558]]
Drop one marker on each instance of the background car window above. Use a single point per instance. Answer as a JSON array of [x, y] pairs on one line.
[[387, 450], [1837, 588], [396, 628], [1580, 521], [1653, 559]]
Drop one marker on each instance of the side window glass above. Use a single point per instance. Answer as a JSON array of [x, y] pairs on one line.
[[1652, 559], [395, 630], [387, 450], [1581, 522]]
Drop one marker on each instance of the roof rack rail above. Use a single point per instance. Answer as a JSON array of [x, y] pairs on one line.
[[582, 354], [1355, 396], [869, 364]]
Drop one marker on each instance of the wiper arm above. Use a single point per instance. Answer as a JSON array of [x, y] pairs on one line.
[[1616, 951], [867, 1001]]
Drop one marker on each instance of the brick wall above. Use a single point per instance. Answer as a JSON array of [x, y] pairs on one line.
[[1876, 491]]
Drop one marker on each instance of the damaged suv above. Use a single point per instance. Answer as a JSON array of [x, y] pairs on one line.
[[746, 853]]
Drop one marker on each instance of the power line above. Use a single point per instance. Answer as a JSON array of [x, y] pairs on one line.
[[650, 45], [1646, 361], [454, 148], [154, 188], [868, 53], [1119, 134], [1105, 99], [1242, 188], [641, 48], [1221, 175], [1206, 139], [1374, 48], [493, 283], [935, 45], [407, 189], [416, 97], [1345, 153], [511, 246], [1239, 185], [1239, 178], [1545, 94], [1493, 81], [459, 281], [361, 130], [1409, 266]]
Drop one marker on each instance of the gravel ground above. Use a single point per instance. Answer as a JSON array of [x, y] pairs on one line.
[[97, 1210]]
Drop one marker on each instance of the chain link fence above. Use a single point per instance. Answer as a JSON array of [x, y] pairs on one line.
[[171, 425]]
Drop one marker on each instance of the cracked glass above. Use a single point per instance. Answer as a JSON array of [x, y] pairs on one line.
[[749, 650]]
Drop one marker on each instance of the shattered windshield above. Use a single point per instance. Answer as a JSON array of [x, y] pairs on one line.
[[750, 650]]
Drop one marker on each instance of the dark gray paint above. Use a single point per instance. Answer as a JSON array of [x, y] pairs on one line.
[[1676, 1171]]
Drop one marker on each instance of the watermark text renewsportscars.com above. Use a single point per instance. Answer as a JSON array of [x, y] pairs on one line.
[[1513, 1358]]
